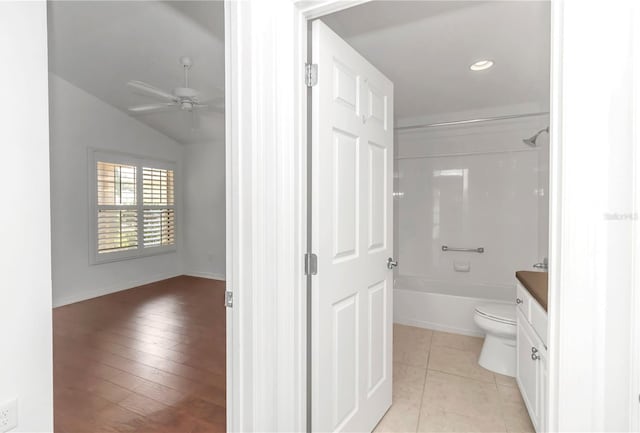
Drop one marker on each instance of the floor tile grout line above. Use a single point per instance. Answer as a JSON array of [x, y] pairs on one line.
[[463, 377], [142, 377], [502, 403], [424, 383], [161, 368], [134, 390]]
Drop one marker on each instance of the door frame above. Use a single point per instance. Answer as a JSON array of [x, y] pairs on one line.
[[267, 153], [634, 390], [266, 156]]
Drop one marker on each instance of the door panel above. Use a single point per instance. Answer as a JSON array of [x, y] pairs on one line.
[[377, 339], [377, 196], [345, 384], [352, 171], [345, 195]]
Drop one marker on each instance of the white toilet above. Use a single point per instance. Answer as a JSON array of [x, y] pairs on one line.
[[498, 321]]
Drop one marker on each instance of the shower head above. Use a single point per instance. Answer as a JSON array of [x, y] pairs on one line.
[[532, 140]]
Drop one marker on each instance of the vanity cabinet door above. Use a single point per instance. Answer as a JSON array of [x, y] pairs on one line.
[[527, 368]]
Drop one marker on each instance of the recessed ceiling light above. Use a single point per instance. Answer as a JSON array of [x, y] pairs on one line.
[[481, 65]]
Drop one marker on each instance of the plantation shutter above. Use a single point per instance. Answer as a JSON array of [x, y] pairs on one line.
[[158, 207], [133, 209], [117, 212]]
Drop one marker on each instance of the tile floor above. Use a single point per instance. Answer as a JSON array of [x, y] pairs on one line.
[[439, 387]]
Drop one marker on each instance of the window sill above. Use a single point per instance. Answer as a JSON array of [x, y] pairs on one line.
[[131, 255]]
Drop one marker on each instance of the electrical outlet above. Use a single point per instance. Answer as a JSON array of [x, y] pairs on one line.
[[8, 415]]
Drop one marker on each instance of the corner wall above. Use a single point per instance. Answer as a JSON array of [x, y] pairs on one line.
[[79, 121], [25, 291], [204, 210]]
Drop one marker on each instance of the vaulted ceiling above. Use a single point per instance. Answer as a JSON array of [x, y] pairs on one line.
[[426, 48], [100, 45]]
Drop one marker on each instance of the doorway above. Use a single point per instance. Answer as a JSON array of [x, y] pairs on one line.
[[466, 206], [138, 215]]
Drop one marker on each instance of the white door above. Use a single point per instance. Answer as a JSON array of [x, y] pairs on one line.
[[352, 220]]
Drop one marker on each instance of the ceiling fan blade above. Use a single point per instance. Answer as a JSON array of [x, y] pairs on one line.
[[150, 90], [217, 109], [150, 108], [208, 108], [220, 90], [218, 100], [215, 104]]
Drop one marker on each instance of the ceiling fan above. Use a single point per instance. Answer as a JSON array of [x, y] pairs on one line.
[[182, 98]]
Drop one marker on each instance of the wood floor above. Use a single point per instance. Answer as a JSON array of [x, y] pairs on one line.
[[149, 359]]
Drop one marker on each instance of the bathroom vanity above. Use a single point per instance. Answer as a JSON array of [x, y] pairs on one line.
[[531, 364]]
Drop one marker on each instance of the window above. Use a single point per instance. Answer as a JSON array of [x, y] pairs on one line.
[[134, 212], [157, 196]]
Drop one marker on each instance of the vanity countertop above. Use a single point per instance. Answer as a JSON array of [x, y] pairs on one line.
[[537, 284]]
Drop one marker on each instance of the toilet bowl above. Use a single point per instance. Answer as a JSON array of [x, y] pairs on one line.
[[498, 321]]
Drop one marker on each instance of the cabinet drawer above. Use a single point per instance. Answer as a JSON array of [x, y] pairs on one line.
[[523, 300]]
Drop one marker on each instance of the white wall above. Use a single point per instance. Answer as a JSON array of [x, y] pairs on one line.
[[593, 385], [25, 261], [204, 210], [80, 121], [469, 186]]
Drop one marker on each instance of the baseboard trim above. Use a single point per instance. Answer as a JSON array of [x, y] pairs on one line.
[[437, 327], [96, 293], [208, 275]]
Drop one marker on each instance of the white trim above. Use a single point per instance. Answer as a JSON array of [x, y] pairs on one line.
[[131, 284], [590, 260], [233, 342], [266, 217], [634, 383], [207, 275], [108, 290], [555, 163], [266, 238]]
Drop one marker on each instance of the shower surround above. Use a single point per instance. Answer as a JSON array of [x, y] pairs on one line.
[[466, 186]]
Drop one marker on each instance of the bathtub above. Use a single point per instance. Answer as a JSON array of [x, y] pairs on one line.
[[444, 306]]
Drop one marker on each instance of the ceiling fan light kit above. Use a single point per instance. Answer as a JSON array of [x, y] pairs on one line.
[[182, 98]]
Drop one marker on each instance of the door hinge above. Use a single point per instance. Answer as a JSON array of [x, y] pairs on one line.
[[310, 264], [310, 74], [228, 299]]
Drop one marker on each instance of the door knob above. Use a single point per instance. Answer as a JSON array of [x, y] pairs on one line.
[[391, 263]]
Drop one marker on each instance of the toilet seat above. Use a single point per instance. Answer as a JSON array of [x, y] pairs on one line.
[[503, 313]]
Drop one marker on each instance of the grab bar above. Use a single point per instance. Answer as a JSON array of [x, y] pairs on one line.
[[464, 250]]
